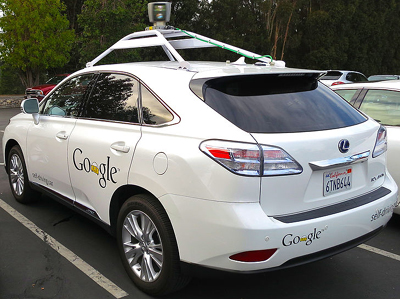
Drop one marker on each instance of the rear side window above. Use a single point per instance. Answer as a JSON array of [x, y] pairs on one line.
[[356, 77], [278, 103], [114, 97]]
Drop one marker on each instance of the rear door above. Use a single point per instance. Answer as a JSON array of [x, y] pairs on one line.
[[324, 181], [321, 133], [103, 143], [308, 135]]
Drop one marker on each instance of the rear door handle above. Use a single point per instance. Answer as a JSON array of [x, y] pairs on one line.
[[62, 135], [120, 147]]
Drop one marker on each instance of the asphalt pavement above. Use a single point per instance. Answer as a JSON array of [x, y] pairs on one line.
[[38, 240]]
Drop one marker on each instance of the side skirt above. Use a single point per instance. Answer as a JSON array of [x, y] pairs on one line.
[[77, 207]]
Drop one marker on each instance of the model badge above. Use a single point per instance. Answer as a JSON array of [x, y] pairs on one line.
[[344, 145]]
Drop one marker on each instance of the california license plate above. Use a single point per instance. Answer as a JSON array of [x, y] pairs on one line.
[[337, 181]]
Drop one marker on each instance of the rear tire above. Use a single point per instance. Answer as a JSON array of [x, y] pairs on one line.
[[18, 177], [148, 247]]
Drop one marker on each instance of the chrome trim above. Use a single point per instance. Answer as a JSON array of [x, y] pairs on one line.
[[338, 162]]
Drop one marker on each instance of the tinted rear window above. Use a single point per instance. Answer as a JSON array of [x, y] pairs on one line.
[[331, 76], [277, 103]]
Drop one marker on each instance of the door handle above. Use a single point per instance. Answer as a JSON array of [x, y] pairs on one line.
[[62, 135], [120, 147]]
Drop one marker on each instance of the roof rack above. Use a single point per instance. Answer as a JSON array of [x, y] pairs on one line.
[[171, 40]]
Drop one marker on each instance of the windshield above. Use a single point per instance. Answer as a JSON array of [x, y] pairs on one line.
[[277, 103]]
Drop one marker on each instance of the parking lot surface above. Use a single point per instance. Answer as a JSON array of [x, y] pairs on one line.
[[48, 251]]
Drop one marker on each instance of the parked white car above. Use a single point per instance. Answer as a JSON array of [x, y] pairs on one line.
[[381, 101], [229, 166], [334, 77], [383, 77]]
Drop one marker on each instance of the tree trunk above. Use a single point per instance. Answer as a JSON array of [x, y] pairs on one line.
[[287, 29], [29, 78]]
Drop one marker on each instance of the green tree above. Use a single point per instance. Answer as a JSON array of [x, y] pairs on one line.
[[237, 22], [357, 35], [278, 19], [9, 81], [105, 22], [73, 9], [35, 37], [185, 14]]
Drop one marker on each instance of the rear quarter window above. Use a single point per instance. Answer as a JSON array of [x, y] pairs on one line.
[[277, 103]]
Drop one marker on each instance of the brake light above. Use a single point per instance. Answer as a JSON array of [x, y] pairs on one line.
[[381, 142], [251, 159], [253, 256], [337, 83], [219, 153], [241, 158]]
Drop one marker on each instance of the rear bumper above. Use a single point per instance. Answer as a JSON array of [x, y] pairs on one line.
[[208, 233], [198, 270]]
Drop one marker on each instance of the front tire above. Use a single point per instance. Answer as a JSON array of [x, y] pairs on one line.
[[147, 246], [18, 177]]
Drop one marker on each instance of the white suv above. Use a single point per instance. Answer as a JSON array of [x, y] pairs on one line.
[[230, 166]]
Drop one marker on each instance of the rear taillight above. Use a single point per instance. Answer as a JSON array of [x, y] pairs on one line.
[[337, 83], [278, 162], [381, 142], [251, 159]]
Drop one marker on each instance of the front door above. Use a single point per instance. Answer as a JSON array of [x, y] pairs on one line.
[[47, 142]]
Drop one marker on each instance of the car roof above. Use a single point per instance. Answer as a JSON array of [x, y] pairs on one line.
[[390, 84], [343, 71], [158, 71]]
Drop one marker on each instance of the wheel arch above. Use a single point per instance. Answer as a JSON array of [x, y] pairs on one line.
[[121, 195], [9, 145]]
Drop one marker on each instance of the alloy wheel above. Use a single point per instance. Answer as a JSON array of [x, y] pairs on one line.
[[17, 174], [142, 246]]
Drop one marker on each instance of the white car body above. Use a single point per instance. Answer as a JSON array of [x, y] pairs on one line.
[[333, 77], [393, 162], [215, 213]]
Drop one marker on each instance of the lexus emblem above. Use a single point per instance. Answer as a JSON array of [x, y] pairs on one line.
[[344, 145]]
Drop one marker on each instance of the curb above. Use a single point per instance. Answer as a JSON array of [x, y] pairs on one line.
[[11, 101]]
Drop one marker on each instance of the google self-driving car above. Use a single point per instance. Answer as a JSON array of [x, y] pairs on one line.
[[228, 166]]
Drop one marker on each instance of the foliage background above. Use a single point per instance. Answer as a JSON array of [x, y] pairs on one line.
[[360, 35], [36, 36]]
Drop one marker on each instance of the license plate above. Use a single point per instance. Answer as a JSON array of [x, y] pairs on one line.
[[337, 181]]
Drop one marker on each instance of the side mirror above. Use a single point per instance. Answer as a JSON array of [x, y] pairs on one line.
[[31, 106]]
